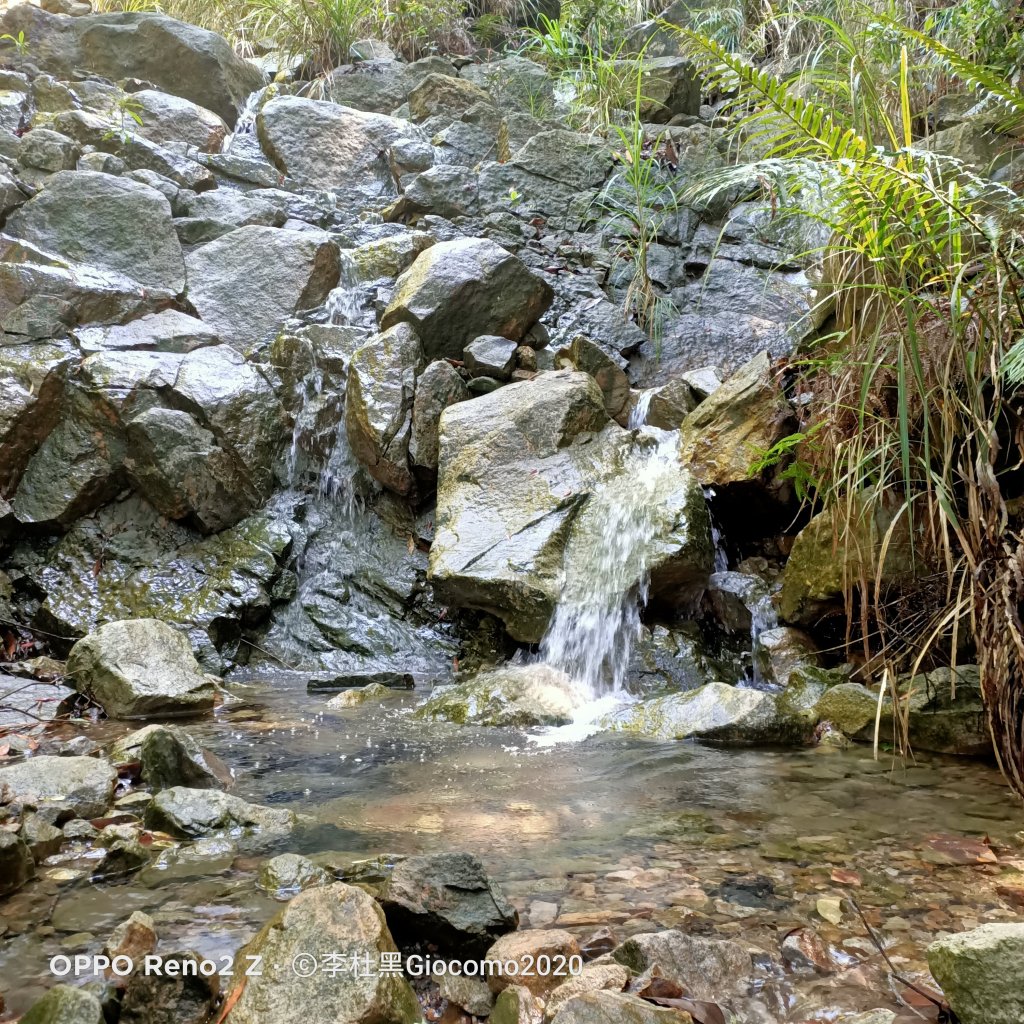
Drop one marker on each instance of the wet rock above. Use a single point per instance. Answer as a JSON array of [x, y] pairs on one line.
[[284, 271], [711, 969], [601, 323], [457, 291], [134, 937], [288, 874], [360, 695], [16, 863], [352, 145], [190, 813], [171, 757], [520, 505], [716, 711], [444, 95], [469, 994], [42, 839], [447, 900], [138, 668], [121, 858], [584, 355], [386, 257], [617, 1008], [62, 787], [517, 1005], [169, 119], [516, 696], [491, 356], [523, 948], [331, 683], [438, 387], [181, 59], [166, 331], [725, 435], [175, 992], [379, 404], [66, 1004], [610, 977], [979, 972], [335, 919], [783, 650], [114, 224]]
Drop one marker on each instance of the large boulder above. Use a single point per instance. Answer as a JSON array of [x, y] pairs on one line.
[[77, 787], [379, 405], [114, 224], [722, 439], [17, 865], [715, 711], [529, 479], [448, 900], [169, 119], [139, 668], [66, 1004], [191, 813], [337, 924], [980, 973], [457, 291], [524, 949], [167, 331], [380, 85], [283, 271], [352, 146], [181, 59]]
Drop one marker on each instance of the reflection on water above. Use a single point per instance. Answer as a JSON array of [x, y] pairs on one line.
[[610, 831]]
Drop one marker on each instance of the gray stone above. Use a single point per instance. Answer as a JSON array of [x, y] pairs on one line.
[[48, 150], [334, 919], [284, 271], [380, 85], [595, 977], [514, 81], [166, 331], [582, 354], [191, 813], [439, 94], [491, 356], [42, 838], [439, 386], [379, 404], [114, 224], [66, 1004], [208, 215], [980, 972], [616, 1008], [171, 757], [16, 863], [79, 787], [458, 291], [168, 119], [139, 668], [288, 874], [172, 992], [447, 899]]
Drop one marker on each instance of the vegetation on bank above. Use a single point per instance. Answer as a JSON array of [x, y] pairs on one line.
[[910, 395]]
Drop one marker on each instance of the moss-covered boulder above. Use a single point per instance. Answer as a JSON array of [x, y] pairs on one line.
[[66, 1004], [345, 925], [980, 972]]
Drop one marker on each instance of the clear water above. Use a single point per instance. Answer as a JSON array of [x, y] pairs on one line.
[[612, 831]]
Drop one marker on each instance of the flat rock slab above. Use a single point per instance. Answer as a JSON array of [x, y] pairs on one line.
[[81, 786]]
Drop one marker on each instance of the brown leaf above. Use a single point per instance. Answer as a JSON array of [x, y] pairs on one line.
[[229, 1003], [946, 849], [845, 877]]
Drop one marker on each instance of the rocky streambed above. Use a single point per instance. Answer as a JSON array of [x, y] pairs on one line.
[[346, 519]]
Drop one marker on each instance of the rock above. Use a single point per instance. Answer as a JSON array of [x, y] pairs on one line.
[[114, 224], [584, 355], [710, 969], [715, 711], [725, 435], [62, 787], [523, 948], [135, 937], [380, 85], [139, 668], [438, 387], [517, 1005], [360, 695], [352, 145], [444, 95], [41, 838], [122, 857], [166, 331], [491, 356], [617, 1008], [171, 757], [604, 325], [284, 271], [520, 506], [448, 900], [16, 863], [668, 405], [823, 559], [514, 81], [174, 992], [668, 86], [469, 994], [610, 977], [66, 1004], [168, 119], [379, 403], [979, 972], [335, 919], [333, 682], [457, 291], [288, 873], [208, 215], [385, 257], [190, 813], [781, 651], [181, 59], [48, 150], [515, 696]]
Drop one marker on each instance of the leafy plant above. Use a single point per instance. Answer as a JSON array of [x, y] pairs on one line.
[[127, 113], [20, 41]]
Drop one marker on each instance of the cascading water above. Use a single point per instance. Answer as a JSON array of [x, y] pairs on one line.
[[246, 123]]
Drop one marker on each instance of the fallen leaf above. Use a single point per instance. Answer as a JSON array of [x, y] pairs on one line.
[[844, 877], [229, 1003], [830, 908], [958, 850]]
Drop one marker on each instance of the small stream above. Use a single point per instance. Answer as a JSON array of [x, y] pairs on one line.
[[609, 832]]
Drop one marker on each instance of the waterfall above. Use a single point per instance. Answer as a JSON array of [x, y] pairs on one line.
[[762, 618], [596, 622], [246, 122], [345, 302]]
